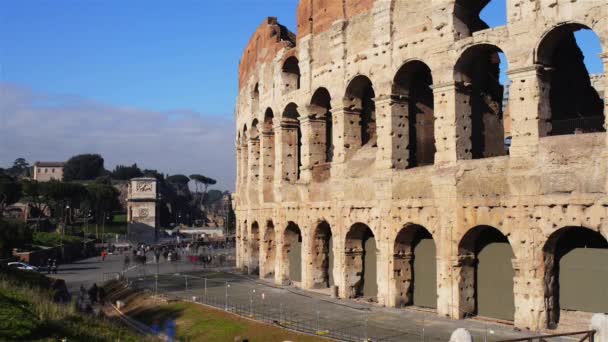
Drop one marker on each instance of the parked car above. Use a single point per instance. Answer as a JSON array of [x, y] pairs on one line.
[[23, 266]]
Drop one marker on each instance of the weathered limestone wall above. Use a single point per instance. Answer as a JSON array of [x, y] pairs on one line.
[[470, 195]]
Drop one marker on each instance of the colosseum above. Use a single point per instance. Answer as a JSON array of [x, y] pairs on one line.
[[377, 160]]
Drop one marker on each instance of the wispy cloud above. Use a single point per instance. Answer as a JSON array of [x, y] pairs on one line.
[[40, 126]]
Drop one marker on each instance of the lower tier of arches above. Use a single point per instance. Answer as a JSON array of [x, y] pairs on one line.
[[528, 276]]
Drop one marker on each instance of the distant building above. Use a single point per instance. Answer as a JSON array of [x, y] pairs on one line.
[[46, 171], [142, 210]]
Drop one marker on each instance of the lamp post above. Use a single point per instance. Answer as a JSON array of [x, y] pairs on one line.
[[65, 222], [226, 300]]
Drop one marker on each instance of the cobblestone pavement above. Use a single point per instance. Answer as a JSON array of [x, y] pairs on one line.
[[314, 312]]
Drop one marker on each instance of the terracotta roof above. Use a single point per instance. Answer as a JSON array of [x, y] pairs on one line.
[[49, 164]]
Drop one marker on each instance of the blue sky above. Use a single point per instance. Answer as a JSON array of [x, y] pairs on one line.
[[115, 60]]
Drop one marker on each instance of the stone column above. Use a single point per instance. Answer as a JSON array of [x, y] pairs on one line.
[[287, 151], [393, 130], [253, 182], [382, 268], [444, 286], [244, 172], [347, 128], [529, 295], [268, 167], [307, 258], [452, 122], [313, 145], [238, 245], [238, 167], [528, 109]]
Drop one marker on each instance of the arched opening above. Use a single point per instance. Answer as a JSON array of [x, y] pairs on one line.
[[486, 274], [320, 108], [576, 271], [291, 74], [414, 268], [322, 256], [268, 153], [254, 255], [479, 100], [255, 98], [475, 15], [292, 143], [569, 102], [269, 248], [360, 262], [413, 100], [292, 253], [359, 100]]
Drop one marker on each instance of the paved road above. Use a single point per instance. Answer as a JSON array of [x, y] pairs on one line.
[[92, 270], [306, 310]]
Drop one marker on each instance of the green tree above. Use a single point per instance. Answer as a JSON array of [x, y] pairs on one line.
[[10, 192], [178, 179], [83, 167], [153, 174], [203, 182], [36, 195], [102, 199], [64, 197], [123, 172]]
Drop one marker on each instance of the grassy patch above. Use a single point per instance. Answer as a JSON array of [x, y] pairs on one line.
[[200, 323], [197, 322], [27, 312]]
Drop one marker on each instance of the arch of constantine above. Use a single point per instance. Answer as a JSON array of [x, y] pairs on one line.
[[376, 152]]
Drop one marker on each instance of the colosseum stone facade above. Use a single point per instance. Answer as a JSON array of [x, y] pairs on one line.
[[374, 157]]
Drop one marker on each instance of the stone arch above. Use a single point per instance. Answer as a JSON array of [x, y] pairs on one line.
[[412, 99], [320, 108], [359, 103], [414, 267], [576, 270], [291, 140], [254, 248], [254, 133], [485, 278], [569, 104], [467, 17], [479, 99], [291, 254], [290, 72], [268, 247], [360, 262], [322, 256]]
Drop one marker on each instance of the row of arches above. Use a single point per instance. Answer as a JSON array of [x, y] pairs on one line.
[[569, 104], [574, 261]]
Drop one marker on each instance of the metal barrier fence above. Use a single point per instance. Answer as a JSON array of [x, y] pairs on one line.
[[275, 305]]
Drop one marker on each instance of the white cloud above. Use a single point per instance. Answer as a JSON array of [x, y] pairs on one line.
[[52, 127]]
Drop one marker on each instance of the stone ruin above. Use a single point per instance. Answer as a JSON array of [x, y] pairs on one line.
[[371, 154]]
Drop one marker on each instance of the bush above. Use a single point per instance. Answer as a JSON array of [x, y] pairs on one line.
[[54, 239], [13, 234]]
